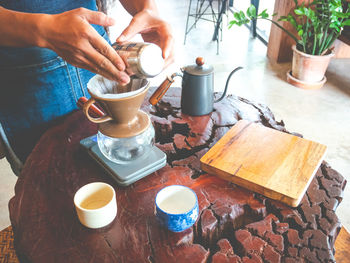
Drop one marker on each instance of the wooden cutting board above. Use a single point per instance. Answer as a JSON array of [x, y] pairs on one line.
[[275, 164]]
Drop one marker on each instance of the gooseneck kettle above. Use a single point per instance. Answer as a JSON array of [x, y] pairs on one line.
[[197, 95]]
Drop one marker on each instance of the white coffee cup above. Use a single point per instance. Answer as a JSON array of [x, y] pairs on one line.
[[96, 204]]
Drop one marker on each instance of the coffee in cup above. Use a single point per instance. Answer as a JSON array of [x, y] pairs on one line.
[[95, 204]]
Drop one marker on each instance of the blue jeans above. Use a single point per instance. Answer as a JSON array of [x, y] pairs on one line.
[[33, 97]]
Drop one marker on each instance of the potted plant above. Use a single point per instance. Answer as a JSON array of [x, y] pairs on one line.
[[318, 24]]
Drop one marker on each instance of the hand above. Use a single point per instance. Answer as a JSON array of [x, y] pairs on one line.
[[153, 30], [72, 37]]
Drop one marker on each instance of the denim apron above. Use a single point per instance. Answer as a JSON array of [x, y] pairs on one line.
[[37, 87]]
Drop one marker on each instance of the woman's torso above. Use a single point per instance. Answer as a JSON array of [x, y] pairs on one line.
[[14, 57], [37, 86]]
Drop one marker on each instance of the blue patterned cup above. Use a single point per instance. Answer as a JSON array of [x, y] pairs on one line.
[[177, 207]]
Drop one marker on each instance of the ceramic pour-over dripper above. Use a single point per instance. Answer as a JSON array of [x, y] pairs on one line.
[[122, 106], [125, 132]]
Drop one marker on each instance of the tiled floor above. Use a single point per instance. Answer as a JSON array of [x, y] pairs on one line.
[[7, 183], [320, 115]]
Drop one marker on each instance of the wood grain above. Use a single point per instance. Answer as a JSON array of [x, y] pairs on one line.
[[275, 164], [341, 48], [342, 245], [234, 224], [279, 45]]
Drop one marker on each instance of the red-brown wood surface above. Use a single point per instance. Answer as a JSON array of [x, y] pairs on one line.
[[235, 225]]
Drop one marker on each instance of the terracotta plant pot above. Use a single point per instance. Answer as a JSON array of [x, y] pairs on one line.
[[309, 68]]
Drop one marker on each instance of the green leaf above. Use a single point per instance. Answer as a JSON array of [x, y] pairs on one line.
[[342, 15], [289, 19], [300, 32], [242, 22], [319, 36], [334, 26], [298, 11], [292, 20], [242, 15], [346, 23], [311, 13], [231, 24], [282, 18], [237, 16], [251, 11], [264, 14]]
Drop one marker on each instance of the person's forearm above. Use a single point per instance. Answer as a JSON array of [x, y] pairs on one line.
[[135, 6], [19, 29]]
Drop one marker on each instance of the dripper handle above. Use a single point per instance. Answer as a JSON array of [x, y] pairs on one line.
[[162, 89], [86, 107], [93, 110]]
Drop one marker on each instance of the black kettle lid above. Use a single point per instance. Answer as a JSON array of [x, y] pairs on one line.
[[200, 68]]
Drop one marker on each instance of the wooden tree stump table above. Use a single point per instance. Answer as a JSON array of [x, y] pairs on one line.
[[235, 225]]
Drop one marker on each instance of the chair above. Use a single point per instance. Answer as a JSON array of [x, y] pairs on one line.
[[2, 150], [205, 11], [7, 151]]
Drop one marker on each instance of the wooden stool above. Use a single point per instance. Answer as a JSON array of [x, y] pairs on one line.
[[7, 251]]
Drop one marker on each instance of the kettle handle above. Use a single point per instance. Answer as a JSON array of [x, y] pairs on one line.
[[162, 89], [227, 82]]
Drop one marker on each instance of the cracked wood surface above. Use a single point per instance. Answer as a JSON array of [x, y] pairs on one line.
[[235, 225]]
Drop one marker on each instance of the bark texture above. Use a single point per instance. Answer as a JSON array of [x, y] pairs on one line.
[[235, 225]]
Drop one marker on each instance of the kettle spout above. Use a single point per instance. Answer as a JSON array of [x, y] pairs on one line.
[[227, 82]]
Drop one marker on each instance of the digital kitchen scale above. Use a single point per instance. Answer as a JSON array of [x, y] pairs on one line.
[[125, 174]]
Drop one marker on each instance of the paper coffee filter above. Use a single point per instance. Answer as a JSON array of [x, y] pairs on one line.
[[109, 89]]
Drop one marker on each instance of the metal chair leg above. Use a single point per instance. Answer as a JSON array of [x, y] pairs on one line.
[[218, 26], [188, 16], [15, 162], [216, 17], [197, 11], [197, 17]]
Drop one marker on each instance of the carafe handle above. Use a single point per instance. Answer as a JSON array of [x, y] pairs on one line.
[[162, 89], [86, 107]]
